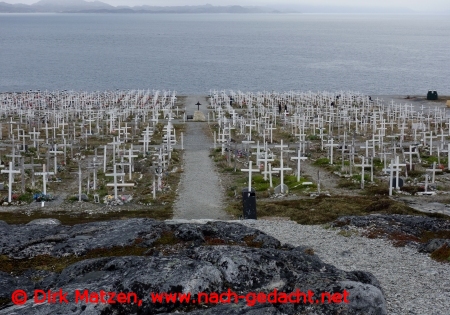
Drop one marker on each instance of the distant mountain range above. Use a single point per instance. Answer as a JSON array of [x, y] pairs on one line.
[[81, 6]]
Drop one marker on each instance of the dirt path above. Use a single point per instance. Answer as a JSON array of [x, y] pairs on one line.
[[200, 194], [328, 181]]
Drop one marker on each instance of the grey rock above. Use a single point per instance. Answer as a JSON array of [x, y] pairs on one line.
[[407, 226], [433, 245], [10, 283], [363, 297], [183, 258], [45, 222]]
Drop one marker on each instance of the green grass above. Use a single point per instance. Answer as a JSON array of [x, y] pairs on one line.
[[324, 209], [322, 161], [157, 212]]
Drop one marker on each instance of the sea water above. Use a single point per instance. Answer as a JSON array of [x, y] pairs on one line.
[[193, 53]]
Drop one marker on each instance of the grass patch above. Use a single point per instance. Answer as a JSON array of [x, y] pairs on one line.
[[415, 173], [58, 264], [324, 209], [401, 239], [441, 254], [160, 212], [347, 233], [321, 161], [167, 238], [250, 241], [429, 235]]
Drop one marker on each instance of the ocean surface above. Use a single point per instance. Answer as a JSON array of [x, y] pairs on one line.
[[193, 53]]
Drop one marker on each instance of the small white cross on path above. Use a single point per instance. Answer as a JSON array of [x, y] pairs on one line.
[[433, 170], [10, 173], [299, 158], [250, 170]]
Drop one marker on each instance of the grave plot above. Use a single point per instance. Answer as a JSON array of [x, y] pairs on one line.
[[344, 146], [79, 152]]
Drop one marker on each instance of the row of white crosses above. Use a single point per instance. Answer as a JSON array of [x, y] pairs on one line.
[[381, 133], [54, 151], [384, 115], [268, 167]]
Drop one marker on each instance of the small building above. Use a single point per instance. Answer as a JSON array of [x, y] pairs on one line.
[[432, 95]]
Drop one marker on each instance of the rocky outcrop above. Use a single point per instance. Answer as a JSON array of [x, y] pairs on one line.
[[406, 224], [174, 258], [424, 233]]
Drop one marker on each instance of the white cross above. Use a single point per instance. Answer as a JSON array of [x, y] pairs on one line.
[[115, 184], [391, 175], [331, 145], [79, 182], [55, 152], [367, 147], [433, 170], [130, 157], [397, 166], [265, 160], [10, 173], [282, 168], [299, 158], [271, 128], [250, 170], [44, 175], [448, 155], [362, 165], [431, 137]]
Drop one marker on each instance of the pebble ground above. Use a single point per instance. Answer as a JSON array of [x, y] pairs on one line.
[[412, 282]]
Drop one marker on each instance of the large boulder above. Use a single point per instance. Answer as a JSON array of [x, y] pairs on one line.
[[178, 259]]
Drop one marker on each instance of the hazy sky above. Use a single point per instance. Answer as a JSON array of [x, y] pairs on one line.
[[418, 5]]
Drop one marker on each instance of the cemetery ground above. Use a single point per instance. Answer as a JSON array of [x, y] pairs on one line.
[[340, 194], [338, 185], [325, 191], [63, 187]]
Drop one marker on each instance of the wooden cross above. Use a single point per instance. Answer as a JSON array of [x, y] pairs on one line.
[[282, 168], [55, 152], [35, 135], [13, 156], [250, 170], [362, 165], [265, 160], [331, 145], [10, 173], [44, 175], [433, 170], [116, 184], [299, 158], [397, 166], [431, 137]]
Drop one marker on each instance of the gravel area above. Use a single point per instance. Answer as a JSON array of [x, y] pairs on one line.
[[412, 282], [200, 194]]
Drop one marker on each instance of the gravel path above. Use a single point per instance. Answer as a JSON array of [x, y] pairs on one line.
[[328, 181], [412, 282], [200, 194]]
